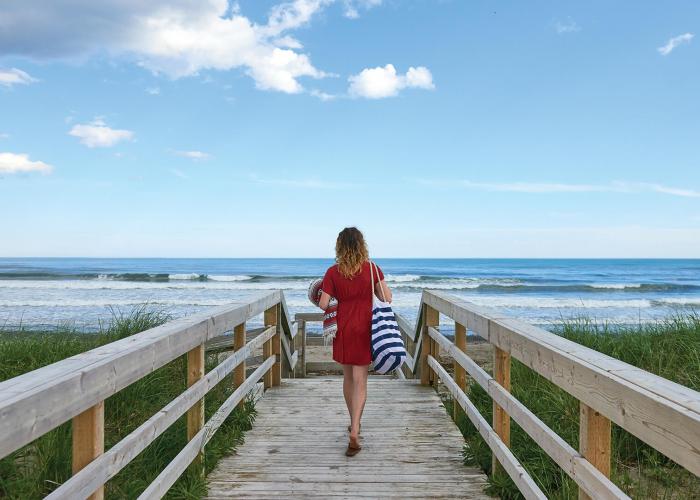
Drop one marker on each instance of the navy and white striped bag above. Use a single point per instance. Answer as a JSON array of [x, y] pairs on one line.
[[388, 351]]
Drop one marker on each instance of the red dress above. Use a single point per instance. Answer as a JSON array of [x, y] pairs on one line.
[[351, 345]]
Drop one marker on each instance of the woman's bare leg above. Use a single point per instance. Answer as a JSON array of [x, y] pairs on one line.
[[359, 396], [348, 387]]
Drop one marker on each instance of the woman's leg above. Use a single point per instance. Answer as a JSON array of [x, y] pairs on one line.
[[359, 396], [348, 387]]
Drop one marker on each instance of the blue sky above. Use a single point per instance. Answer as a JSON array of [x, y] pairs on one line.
[[261, 128]]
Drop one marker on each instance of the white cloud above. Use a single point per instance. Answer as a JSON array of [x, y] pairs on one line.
[[194, 155], [11, 163], [543, 187], [324, 96], [153, 90], [14, 76], [97, 134], [4, 136], [380, 82], [177, 38], [351, 8], [568, 26], [675, 42]]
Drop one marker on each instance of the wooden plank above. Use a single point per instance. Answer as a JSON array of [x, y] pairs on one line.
[[657, 411], [195, 415], [572, 462], [431, 318], [118, 456], [460, 373], [89, 441], [302, 332], [309, 317], [595, 435], [510, 464], [411, 448], [36, 402], [160, 486]]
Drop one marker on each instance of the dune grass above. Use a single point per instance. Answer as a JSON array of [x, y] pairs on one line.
[[670, 348], [38, 468]]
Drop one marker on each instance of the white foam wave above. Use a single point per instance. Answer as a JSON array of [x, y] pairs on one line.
[[226, 277], [189, 284], [188, 276], [683, 301], [401, 278], [615, 286]]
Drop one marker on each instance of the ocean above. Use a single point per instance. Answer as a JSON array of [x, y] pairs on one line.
[[81, 292]]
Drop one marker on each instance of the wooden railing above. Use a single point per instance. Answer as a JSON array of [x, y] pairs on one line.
[[661, 413], [76, 388]]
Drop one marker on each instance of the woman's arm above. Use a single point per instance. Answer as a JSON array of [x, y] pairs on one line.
[[380, 288], [325, 299]]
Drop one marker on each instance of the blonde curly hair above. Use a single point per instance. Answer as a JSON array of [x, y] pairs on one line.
[[350, 251]]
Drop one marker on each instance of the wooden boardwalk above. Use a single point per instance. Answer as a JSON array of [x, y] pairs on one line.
[[411, 447]]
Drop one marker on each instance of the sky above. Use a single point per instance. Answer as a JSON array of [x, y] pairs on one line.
[[207, 128]]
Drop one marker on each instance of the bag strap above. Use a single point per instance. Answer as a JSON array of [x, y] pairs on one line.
[[372, 277]]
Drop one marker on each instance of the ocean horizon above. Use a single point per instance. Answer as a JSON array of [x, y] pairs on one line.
[[85, 292]]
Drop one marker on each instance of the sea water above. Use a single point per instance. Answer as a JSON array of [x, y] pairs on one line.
[[40, 292]]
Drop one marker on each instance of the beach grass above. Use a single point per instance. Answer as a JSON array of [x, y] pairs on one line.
[[38, 468], [669, 348]]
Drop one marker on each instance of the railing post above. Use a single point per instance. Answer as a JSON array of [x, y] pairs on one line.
[[89, 440], [272, 376], [594, 441], [239, 371], [501, 420], [431, 317], [195, 415], [301, 331], [460, 373]]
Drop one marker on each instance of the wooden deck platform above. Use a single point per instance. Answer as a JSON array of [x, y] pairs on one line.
[[411, 447]]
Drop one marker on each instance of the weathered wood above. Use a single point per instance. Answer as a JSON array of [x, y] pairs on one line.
[[118, 456], [89, 441], [510, 464], [406, 327], [501, 420], [573, 463], [309, 317], [160, 486], [195, 372], [302, 332], [36, 402], [239, 337], [661, 413], [271, 318], [595, 434], [460, 373], [431, 317], [413, 454]]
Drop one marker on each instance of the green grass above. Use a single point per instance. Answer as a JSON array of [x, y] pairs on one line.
[[670, 348], [38, 468]]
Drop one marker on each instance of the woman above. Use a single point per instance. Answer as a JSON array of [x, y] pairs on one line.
[[349, 281]]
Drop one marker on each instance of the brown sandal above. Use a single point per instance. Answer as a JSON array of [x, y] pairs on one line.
[[353, 448]]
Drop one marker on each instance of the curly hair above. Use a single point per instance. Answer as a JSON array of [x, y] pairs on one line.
[[350, 251]]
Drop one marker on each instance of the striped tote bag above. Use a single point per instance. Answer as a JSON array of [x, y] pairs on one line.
[[388, 351]]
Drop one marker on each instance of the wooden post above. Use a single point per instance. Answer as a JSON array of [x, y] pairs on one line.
[[195, 415], [89, 440], [301, 331], [239, 371], [431, 317], [594, 441], [501, 420], [460, 373], [270, 319]]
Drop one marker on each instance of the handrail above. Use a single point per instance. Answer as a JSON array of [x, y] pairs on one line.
[[661, 413], [75, 388]]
